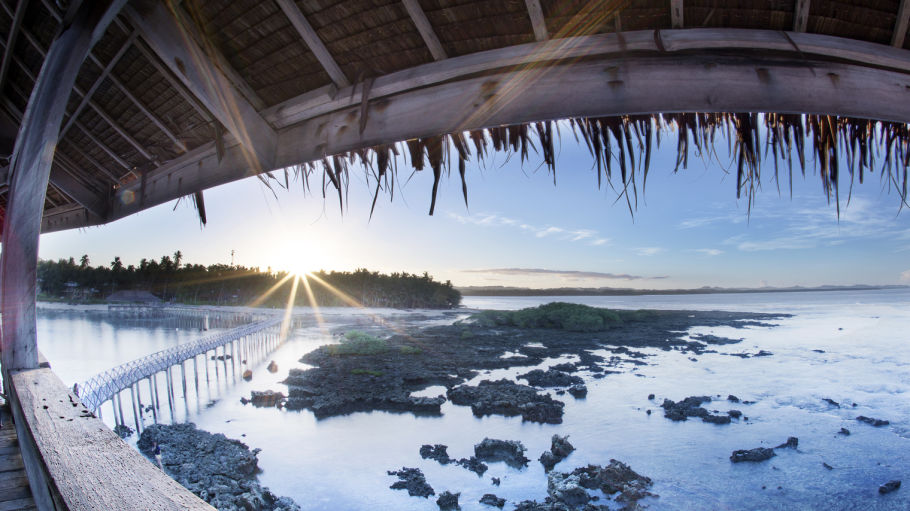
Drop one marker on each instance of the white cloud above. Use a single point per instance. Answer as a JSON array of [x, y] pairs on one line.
[[649, 251], [590, 236], [905, 276], [570, 274], [709, 251]]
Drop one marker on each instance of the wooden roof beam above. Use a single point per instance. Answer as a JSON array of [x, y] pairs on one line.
[[8, 50], [693, 70], [170, 42], [311, 38], [426, 30], [66, 182], [676, 14], [901, 24], [801, 16]]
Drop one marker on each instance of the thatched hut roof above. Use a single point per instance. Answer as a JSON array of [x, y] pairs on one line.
[[322, 84]]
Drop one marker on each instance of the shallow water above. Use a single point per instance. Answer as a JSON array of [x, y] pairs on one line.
[[341, 462]]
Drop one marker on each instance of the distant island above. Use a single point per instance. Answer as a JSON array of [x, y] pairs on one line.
[[169, 279], [613, 291]]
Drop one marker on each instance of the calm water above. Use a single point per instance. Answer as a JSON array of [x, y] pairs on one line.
[[341, 463]]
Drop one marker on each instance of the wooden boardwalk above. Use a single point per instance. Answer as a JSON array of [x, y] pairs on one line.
[[14, 491]]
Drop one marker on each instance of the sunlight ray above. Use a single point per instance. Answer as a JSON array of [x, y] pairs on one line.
[[288, 311], [269, 292]]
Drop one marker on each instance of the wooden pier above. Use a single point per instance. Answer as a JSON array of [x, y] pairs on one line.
[[14, 490]]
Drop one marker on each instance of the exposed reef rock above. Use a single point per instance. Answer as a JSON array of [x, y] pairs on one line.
[[411, 479], [757, 454], [221, 471], [503, 397], [560, 448], [512, 452]]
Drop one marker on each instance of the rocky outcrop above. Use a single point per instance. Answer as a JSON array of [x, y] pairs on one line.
[[872, 421], [757, 454], [272, 367], [492, 500], [889, 487], [413, 480], [559, 449], [504, 397], [264, 398], [567, 490], [691, 407], [220, 470], [550, 378], [436, 452], [123, 431], [509, 451], [448, 501]]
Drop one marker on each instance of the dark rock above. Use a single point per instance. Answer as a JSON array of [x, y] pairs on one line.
[[732, 398], [492, 500], [650, 396], [763, 353], [757, 454], [550, 378], [688, 407], [615, 477], [435, 452], [448, 501], [829, 467], [714, 339], [566, 488], [648, 411], [123, 431], [872, 421], [219, 470], [495, 481], [509, 451], [504, 397], [411, 479], [272, 367], [565, 367], [247, 375], [791, 443], [889, 487], [474, 465], [844, 431], [266, 398], [735, 413], [716, 419], [559, 449], [822, 351], [831, 402], [578, 391]]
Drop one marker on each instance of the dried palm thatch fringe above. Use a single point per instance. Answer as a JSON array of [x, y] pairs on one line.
[[627, 142]]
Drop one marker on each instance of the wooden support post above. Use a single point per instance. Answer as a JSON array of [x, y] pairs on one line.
[[152, 399], [183, 377], [901, 24], [139, 400], [120, 408], [233, 359], [205, 359], [29, 171], [157, 397], [135, 410], [196, 375], [170, 393], [215, 363], [676, 14], [801, 16], [429, 35]]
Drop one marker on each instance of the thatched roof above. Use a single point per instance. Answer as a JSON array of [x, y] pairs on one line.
[[295, 70]]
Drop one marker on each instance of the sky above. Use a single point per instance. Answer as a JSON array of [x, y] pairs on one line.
[[520, 229]]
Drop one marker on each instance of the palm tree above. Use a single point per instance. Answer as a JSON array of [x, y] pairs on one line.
[[83, 263]]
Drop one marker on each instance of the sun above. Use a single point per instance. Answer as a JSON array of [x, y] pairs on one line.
[[296, 257]]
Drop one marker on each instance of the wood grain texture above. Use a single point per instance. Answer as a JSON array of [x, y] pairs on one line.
[[901, 24], [801, 16], [84, 458], [313, 42], [676, 14], [426, 30], [538, 22]]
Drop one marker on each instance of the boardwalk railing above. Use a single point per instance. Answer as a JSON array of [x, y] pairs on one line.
[[104, 386]]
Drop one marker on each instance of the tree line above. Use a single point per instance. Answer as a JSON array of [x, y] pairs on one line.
[[170, 279]]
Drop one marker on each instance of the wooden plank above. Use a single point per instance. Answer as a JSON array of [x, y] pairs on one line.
[[190, 64], [801, 16], [11, 463], [663, 82], [79, 193], [79, 451], [538, 22], [18, 505], [10, 47], [901, 25], [30, 170], [426, 30], [69, 216], [676, 14], [311, 38]]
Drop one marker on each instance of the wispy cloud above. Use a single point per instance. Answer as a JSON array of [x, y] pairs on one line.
[[649, 251], [708, 251], [570, 274], [589, 236], [905, 276]]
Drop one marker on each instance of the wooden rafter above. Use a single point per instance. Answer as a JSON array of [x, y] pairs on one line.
[[426, 30], [312, 40], [901, 24], [9, 49], [801, 16], [164, 34], [168, 132], [175, 83], [218, 58], [676, 14]]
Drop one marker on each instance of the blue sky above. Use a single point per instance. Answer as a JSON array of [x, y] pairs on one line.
[[689, 230]]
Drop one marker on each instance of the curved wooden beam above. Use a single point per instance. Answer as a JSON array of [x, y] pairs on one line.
[[670, 71]]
